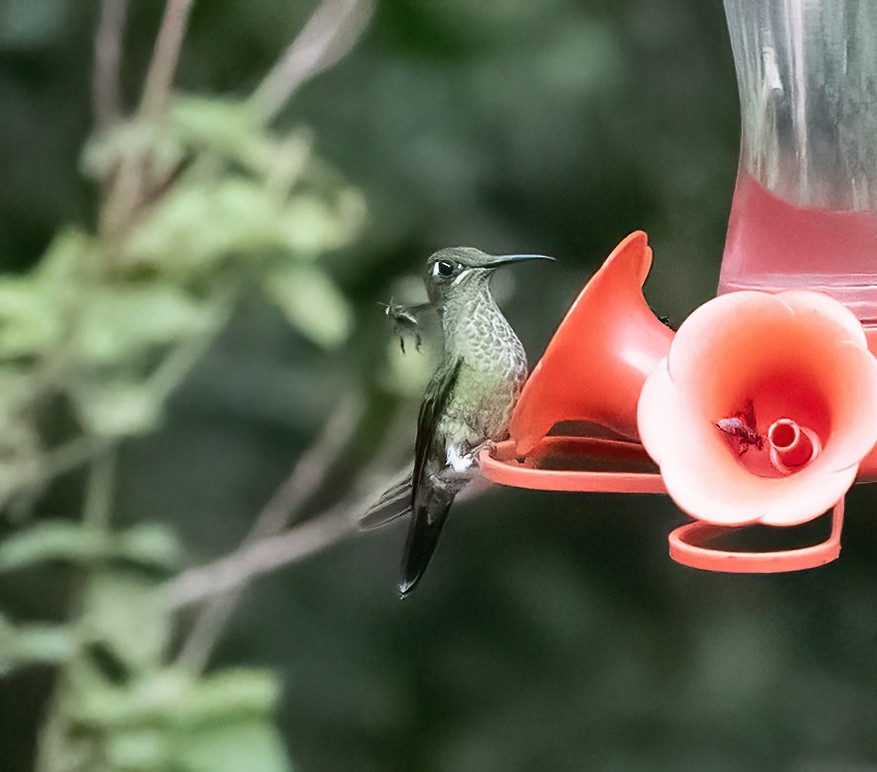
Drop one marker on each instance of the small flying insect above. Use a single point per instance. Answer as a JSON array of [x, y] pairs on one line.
[[405, 321], [741, 430]]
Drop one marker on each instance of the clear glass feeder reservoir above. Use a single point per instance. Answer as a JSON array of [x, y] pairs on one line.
[[804, 213]]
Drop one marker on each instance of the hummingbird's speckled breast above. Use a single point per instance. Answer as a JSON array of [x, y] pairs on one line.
[[492, 374]]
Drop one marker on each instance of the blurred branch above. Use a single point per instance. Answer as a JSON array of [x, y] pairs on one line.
[[235, 570], [130, 187], [267, 553], [106, 89], [326, 38], [240, 567], [53, 751], [310, 471], [304, 480], [165, 55]]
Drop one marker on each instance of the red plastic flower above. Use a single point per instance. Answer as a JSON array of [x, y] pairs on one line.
[[750, 371]]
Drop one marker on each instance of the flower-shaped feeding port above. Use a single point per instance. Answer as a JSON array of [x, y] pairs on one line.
[[760, 414], [592, 372], [764, 407]]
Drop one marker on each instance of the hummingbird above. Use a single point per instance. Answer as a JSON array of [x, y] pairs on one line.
[[468, 401]]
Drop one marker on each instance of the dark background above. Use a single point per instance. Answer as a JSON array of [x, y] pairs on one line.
[[552, 630]]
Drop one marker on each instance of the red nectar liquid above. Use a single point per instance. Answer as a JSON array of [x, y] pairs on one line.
[[774, 245]]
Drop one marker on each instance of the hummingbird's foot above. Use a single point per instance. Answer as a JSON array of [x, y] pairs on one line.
[[490, 445]]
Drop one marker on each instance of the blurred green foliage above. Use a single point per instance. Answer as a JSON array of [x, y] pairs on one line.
[[187, 357]]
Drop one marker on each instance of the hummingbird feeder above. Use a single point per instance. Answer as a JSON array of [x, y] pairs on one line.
[[762, 408]]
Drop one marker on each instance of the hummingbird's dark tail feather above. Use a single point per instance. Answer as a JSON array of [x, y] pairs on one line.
[[423, 534], [394, 502]]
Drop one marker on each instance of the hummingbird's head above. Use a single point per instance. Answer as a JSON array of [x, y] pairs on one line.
[[457, 270]]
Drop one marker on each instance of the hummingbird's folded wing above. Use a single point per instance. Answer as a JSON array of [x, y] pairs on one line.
[[399, 498], [431, 497], [435, 400]]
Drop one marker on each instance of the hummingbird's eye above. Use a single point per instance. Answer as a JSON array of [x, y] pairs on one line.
[[443, 268]]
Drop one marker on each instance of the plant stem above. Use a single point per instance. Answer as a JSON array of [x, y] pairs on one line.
[[130, 185], [106, 90], [165, 56], [53, 751], [328, 35]]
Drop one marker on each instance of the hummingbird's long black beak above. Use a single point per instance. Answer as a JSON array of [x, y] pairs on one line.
[[499, 260]]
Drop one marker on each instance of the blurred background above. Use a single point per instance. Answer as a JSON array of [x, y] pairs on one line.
[[189, 308]]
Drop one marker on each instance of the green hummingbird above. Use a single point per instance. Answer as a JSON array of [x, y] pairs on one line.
[[468, 401]]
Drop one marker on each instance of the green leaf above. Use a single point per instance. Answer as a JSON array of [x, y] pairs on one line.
[[120, 322], [152, 700], [202, 222], [35, 644], [152, 545], [139, 141], [173, 697], [312, 225], [311, 302], [127, 612], [211, 123], [231, 695], [250, 744], [236, 130], [156, 724], [117, 408], [140, 750], [56, 540], [33, 306], [282, 161], [69, 252], [29, 323]]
